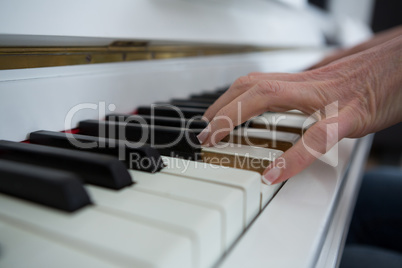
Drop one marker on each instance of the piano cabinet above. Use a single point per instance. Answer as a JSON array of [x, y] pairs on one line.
[[305, 223]]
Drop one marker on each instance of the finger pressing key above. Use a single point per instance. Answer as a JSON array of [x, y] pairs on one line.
[[261, 97]]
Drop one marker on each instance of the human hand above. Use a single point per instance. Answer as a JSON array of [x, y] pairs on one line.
[[366, 87]]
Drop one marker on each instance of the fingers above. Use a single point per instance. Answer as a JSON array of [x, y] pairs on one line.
[[262, 96], [243, 84], [316, 141], [236, 89]]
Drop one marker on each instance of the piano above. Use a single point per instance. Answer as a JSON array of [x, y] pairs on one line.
[[142, 52]]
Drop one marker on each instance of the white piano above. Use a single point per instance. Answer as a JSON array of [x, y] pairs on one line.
[[303, 224]]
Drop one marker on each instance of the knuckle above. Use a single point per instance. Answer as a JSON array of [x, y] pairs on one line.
[[241, 85], [263, 88], [242, 81]]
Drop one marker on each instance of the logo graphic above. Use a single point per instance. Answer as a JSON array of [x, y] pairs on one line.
[[116, 135]]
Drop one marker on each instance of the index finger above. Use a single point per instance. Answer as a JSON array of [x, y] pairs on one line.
[[244, 83], [264, 95]]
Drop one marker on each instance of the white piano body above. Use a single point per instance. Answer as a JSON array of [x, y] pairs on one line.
[[306, 223]]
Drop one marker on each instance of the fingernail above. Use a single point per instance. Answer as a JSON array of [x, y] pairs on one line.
[[204, 118], [272, 175], [204, 134]]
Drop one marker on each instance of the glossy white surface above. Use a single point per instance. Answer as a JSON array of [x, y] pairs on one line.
[[85, 23], [20, 247], [93, 88], [247, 181], [304, 208], [267, 134], [227, 201], [113, 239], [284, 120], [297, 218], [308, 214], [199, 224], [268, 192], [333, 242], [242, 150]]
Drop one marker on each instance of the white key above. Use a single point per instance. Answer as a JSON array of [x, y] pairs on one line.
[[240, 156], [113, 239], [248, 182], [284, 120], [294, 111], [201, 225], [244, 151], [268, 192], [267, 134], [21, 247], [228, 201]]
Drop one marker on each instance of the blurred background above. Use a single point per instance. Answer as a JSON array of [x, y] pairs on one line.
[[382, 14]]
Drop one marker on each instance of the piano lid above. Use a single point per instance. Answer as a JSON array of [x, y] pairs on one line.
[[99, 23]]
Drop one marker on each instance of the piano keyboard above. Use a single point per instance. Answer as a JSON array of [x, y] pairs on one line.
[[172, 213]]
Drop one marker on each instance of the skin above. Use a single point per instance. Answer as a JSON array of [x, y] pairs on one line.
[[378, 39], [365, 82]]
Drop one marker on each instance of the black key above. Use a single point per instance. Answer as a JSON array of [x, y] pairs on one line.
[[198, 100], [196, 125], [45, 186], [207, 95], [143, 158], [193, 113], [202, 99], [222, 90], [185, 104], [168, 141], [101, 170]]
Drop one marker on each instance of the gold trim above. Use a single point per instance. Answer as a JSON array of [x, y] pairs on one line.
[[33, 57]]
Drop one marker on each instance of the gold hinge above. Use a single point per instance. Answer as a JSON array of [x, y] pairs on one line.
[[119, 51]]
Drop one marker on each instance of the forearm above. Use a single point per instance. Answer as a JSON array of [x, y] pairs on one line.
[[378, 39], [387, 67]]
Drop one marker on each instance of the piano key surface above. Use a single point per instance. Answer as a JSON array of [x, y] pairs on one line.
[[230, 204], [248, 182], [123, 241], [46, 186], [227, 201], [20, 85], [240, 156], [198, 223], [196, 205], [264, 138], [21, 246]]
